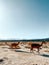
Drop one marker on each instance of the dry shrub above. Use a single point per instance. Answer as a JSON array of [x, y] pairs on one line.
[[46, 51], [28, 46]]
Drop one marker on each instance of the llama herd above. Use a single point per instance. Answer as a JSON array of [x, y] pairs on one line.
[[32, 45]]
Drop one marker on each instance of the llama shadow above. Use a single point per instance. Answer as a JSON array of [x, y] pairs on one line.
[[21, 51], [44, 55]]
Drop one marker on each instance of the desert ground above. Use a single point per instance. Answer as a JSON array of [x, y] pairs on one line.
[[23, 56]]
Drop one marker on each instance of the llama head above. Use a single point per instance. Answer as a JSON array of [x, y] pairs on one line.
[[43, 42]]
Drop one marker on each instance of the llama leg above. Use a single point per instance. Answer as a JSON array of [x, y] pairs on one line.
[[31, 50], [38, 50]]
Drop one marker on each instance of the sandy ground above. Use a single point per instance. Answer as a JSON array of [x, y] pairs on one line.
[[23, 56]]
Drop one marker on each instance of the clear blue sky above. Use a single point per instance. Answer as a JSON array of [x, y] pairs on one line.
[[24, 19]]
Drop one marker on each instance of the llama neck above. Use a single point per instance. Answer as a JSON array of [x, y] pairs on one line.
[[41, 44]]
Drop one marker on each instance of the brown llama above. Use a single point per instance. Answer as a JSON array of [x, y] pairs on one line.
[[13, 45], [37, 46]]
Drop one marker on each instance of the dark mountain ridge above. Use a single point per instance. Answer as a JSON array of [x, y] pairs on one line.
[[26, 40]]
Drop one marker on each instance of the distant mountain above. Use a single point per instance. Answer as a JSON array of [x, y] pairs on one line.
[[46, 39], [25, 40]]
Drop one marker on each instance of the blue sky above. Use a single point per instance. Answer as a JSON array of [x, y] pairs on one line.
[[24, 19]]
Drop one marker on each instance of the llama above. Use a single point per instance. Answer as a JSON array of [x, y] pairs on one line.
[[13, 45], [37, 46]]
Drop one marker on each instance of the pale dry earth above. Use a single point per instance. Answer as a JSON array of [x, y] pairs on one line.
[[23, 56]]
